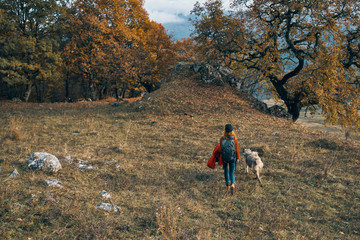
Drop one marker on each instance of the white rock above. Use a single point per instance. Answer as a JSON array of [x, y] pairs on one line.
[[83, 161], [105, 194], [86, 167], [108, 207], [110, 161], [44, 161], [69, 159], [53, 183], [275, 133], [14, 173]]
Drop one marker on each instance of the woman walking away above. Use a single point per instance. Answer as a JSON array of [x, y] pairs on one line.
[[230, 155]]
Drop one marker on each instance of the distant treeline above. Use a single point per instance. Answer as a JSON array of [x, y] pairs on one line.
[[53, 50]]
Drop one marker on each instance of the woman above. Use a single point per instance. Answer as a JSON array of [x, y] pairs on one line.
[[230, 155]]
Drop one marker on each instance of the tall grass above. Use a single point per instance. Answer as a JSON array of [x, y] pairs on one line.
[[14, 130], [153, 163]]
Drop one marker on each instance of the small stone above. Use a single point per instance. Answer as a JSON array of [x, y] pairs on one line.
[[276, 134], [14, 174], [86, 167], [105, 194], [69, 159], [83, 161], [110, 161], [108, 207], [53, 183]]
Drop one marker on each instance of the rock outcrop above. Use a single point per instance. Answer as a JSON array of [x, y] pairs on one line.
[[218, 75], [44, 161], [279, 111]]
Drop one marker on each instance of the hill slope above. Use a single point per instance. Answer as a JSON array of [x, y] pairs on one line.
[[152, 158]]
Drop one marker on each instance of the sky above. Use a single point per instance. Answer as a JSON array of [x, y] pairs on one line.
[[168, 11]]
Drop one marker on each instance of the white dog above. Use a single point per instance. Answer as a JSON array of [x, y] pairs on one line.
[[253, 161]]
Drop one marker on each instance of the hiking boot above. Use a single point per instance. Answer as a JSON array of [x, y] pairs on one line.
[[228, 187], [232, 189]]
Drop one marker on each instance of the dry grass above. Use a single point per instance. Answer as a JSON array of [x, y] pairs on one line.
[[316, 121], [14, 130], [163, 186]]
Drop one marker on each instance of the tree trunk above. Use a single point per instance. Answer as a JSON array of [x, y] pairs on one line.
[[123, 91], [294, 109], [67, 86], [116, 93], [28, 92], [92, 91], [91, 86], [103, 93], [84, 89], [293, 104]]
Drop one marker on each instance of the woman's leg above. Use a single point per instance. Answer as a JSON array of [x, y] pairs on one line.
[[232, 167], [226, 173]]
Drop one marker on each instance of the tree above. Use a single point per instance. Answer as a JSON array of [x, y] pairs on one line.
[[185, 50], [113, 47], [219, 35], [88, 28], [155, 55], [307, 50], [29, 54]]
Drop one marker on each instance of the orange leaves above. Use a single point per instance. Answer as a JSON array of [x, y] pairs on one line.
[[113, 45]]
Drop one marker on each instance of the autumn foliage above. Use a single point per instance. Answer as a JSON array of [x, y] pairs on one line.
[[307, 52], [81, 49]]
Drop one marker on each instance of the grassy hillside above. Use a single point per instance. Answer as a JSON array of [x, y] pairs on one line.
[[152, 156]]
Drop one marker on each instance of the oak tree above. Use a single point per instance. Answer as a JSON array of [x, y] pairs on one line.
[[307, 50]]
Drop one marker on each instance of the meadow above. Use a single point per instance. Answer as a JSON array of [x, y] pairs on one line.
[[151, 156]]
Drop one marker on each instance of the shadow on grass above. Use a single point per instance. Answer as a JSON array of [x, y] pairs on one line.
[[326, 144]]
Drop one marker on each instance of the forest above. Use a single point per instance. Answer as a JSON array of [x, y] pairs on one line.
[[60, 50], [305, 53]]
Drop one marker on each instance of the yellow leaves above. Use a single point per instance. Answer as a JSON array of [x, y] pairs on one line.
[[303, 45]]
